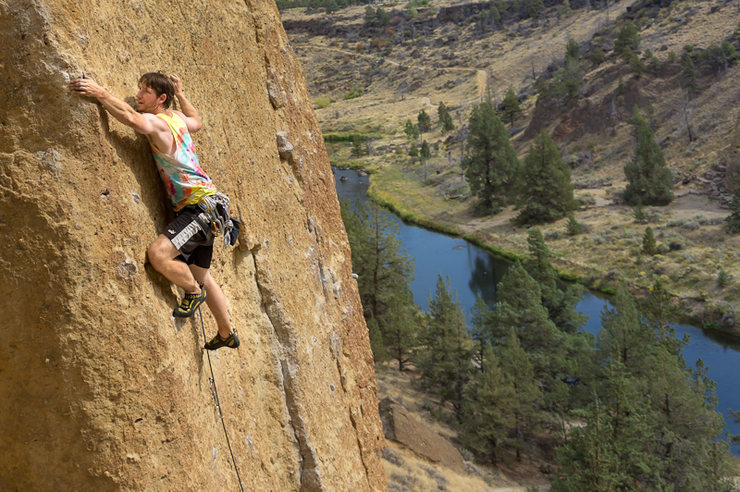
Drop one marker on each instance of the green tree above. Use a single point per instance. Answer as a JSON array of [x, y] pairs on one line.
[[425, 121], [564, 10], [411, 130], [559, 299], [649, 180], [535, 8], [688, 77], [445, 347], [519, 307], [400, 334], [491, 165], [384, 272], [488, 413], [572, 49], [636, 65], [512, 108], [547, 193], [649, 246], [652, 421], [425, 153], [445, 120], [481, 319], [628, 41], [527, 393], [574, 227], [571, 78], [733, 186]]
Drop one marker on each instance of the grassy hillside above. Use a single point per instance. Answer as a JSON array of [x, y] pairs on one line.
[[368, 79]]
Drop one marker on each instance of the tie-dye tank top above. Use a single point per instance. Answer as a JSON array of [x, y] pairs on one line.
[[185, 180]]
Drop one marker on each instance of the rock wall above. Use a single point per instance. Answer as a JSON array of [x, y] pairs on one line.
[[102, 389]]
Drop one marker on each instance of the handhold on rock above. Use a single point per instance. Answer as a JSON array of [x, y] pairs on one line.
[[285, 148]]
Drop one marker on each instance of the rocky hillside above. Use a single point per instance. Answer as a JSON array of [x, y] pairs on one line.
[[102, 388], [368, 79]]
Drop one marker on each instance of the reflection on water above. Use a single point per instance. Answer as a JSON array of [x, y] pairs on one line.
[[472, 271]]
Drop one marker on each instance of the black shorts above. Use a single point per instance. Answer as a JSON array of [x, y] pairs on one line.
[[186, 234]]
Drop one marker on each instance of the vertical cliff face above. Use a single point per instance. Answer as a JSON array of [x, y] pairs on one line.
[[102, 388]]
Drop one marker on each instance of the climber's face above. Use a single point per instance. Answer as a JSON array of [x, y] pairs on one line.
[[147, 100]]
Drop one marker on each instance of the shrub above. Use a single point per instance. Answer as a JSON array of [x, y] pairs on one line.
[[355, 92], [322, 102], [649, 246], [574, 227], [723, 278]]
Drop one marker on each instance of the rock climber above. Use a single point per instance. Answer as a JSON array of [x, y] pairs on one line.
[[183, 252]]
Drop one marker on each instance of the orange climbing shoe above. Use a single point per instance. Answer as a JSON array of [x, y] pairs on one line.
[[232, 341]]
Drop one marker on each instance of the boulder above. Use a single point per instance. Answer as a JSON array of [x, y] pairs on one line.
[[402, 427]]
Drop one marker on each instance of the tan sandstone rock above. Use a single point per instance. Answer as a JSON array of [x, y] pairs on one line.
[[402, 427], [101, 388]]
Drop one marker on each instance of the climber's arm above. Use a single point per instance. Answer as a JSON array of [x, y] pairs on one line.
[[145, 124], [192, 120]]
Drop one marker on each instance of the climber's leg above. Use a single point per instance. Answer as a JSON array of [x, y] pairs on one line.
[[216, 299], [162, 255]]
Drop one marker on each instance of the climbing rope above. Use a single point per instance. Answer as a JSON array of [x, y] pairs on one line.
[[218, 404]]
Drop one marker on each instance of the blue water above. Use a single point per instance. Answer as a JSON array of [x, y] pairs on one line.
[[473, 271]]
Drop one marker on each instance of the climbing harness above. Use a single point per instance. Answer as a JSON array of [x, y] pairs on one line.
[[212, 380], [215, 218]]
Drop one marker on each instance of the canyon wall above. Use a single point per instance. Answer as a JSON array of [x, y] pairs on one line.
[[102, 388]]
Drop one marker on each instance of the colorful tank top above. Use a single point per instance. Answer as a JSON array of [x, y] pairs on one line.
[[185, 180]]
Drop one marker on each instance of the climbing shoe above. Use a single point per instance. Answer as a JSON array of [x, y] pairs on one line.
[[232, 341], [189, 304]]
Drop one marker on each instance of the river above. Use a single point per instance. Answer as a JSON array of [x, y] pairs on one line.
[[473, 271]]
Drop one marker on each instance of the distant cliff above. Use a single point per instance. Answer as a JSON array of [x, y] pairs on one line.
[[101, 388]]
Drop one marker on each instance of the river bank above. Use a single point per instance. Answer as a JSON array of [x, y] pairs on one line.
[[608, 252]]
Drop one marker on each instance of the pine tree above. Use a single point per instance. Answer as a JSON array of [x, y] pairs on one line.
[[574, 227], [519, 307], [512, 108], [527, 393], [384, 272], [425, 122], [481, 318], [400, 334], [628, 41], [491, 165], [488, 412], [623, 336], [444, 354], [572, 49], [411, 130], [547, 193], [688, 76], [652, 422], [571, 78], [649, 246], [377, 344], [425, 153], [445, 120], [559, 298], [650, 180]]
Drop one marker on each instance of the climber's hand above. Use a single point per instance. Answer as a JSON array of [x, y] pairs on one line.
[[177, 83], [86, 87]]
